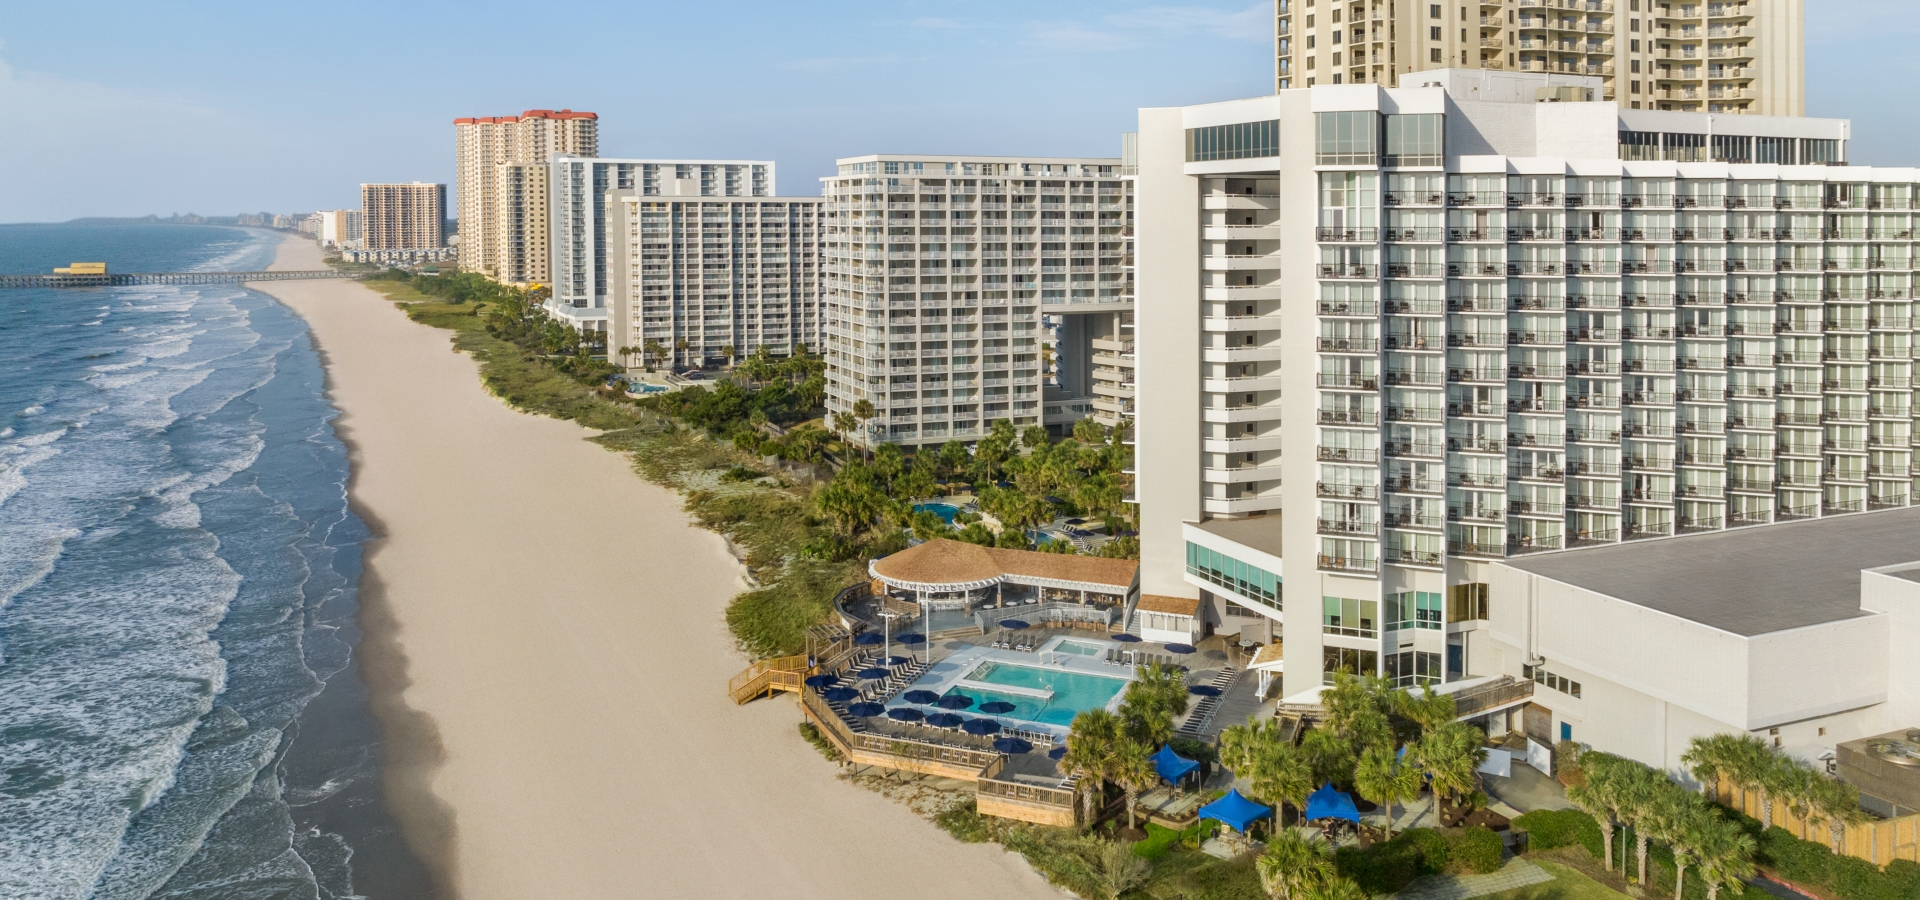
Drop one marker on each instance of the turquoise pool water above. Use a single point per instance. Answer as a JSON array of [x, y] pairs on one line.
[[1083, 648], [1073, 692], [946, 511]]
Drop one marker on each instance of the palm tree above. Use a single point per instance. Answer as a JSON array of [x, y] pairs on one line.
[[1133, 770], [1426, 708], [1329, 755], [1092, 743], [863, 411], [1680, 820], [1724, 856], [1838, 803], [1279, 775], [1779, 778], [1153, 699], [1293, 860], [1642, 793], [1451, 756], [1381, 779], [1599, 797]]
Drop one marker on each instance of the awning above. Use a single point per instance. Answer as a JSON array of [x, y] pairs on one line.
[[1172, 766], [1235, 811], [1327, 803]]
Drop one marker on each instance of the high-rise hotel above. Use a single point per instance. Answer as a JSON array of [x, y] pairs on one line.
[[1401, 349], [501, 184], [1715, 56], [961, 290]]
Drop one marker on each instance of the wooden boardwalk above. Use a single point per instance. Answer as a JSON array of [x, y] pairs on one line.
[[132, 278]]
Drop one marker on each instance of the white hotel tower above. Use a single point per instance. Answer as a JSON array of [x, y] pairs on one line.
[[1391, 338]]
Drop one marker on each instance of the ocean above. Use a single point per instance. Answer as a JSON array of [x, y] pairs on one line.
[[181, 713]]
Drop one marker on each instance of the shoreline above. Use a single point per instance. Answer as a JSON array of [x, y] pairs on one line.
[[545, 631]]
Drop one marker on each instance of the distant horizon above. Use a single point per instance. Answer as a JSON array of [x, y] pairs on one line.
[[162, 110]]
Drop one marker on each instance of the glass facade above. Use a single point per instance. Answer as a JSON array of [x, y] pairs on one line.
[[1251, 582], [1350, 617], [1410, 667], [1349, 660], [1241, 140], [1416, 140], [1414, 609], [1346, 138]]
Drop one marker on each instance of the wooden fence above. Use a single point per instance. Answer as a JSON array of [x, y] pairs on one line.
[[1879, 841]]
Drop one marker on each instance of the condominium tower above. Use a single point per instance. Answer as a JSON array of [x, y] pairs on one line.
[[582, 241], [402, 216], [341, 227], [1736, 56], [698, 280], [941, 273], [500, 182]]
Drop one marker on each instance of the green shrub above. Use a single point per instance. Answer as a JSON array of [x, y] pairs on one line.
[[1548, 829], [1160, 840], [812, 733], [1388, 866], [1476, 849], [964, 822]]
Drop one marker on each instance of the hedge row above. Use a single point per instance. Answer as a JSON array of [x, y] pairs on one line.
[[1388, 866]]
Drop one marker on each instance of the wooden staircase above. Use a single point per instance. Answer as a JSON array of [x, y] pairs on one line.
[[763, 678]]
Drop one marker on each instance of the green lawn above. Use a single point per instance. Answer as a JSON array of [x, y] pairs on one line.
[[1567, 884]]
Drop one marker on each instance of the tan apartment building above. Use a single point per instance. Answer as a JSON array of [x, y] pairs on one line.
[[403, 216], [494, 225], [1709, 56]]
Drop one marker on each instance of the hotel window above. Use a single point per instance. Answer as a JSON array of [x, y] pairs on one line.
[[1466, 602], [1732, 148], [1639, 145], [1346, 138], [1775, 150], [1413, 609], [1347, 659], [1410, 667], [1242, 140], [1350, 617], [1544, 678], [1248, 581], [1676, 147], [1416, 140], [1818, 152]]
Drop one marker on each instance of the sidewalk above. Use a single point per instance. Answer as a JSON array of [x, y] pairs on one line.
[[1517, 873]]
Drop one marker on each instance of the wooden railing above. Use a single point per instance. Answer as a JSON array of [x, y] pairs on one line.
[[1025, 793], [1477, 700], [768, 675]]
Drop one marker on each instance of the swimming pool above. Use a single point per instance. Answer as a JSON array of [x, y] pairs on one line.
[[1046, 695], [1078, 648], [946, 511]]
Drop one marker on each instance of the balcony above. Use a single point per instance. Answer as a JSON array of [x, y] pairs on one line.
[[1347, 345], [1347, 417], [1476, 548], [1477, 479], [1346, 235], [1345, 491], [1363, 565], [1347, 381], [1536, 508], [1346, 527], [1357, 270]]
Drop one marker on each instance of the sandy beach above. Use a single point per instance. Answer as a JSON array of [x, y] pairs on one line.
[[547, 647]]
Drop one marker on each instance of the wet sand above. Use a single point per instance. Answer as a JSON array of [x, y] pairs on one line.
[[547, 655]]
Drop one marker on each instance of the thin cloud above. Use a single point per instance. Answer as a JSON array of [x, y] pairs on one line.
[[1252, 23], [933, 22]]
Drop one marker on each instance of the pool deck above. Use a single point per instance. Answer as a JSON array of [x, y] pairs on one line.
[[950, 671]]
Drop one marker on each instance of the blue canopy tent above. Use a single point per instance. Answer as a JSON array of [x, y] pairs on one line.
[[1235, 812], [1327, 803], [1172, 766]]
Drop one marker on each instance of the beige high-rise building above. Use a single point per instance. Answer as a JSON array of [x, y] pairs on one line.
[[403, 216], [495, 232], [1738, 56]]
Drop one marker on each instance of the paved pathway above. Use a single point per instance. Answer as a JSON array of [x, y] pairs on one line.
[[1515, 874]]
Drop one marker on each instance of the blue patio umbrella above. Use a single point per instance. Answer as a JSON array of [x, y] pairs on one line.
[[1014, 624], [944, 720], [955, 701], [981, 726], [910, 639], [1204, 690], [840, 695], [866, 709], [921, 697], [1056, 753], [997, 708], [1125, 638], [822, 681], [875, 672], [1182, 649], [869, 639], [903, 714], [1012, 745], [1327, 803], [892, 661]]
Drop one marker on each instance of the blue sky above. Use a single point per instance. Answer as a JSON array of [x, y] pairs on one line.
[[131, 108]]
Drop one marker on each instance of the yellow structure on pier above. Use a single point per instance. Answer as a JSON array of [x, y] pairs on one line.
[[83, 268]]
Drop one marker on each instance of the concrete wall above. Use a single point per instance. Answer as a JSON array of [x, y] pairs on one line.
[[1899, 600], [1167, 351]]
